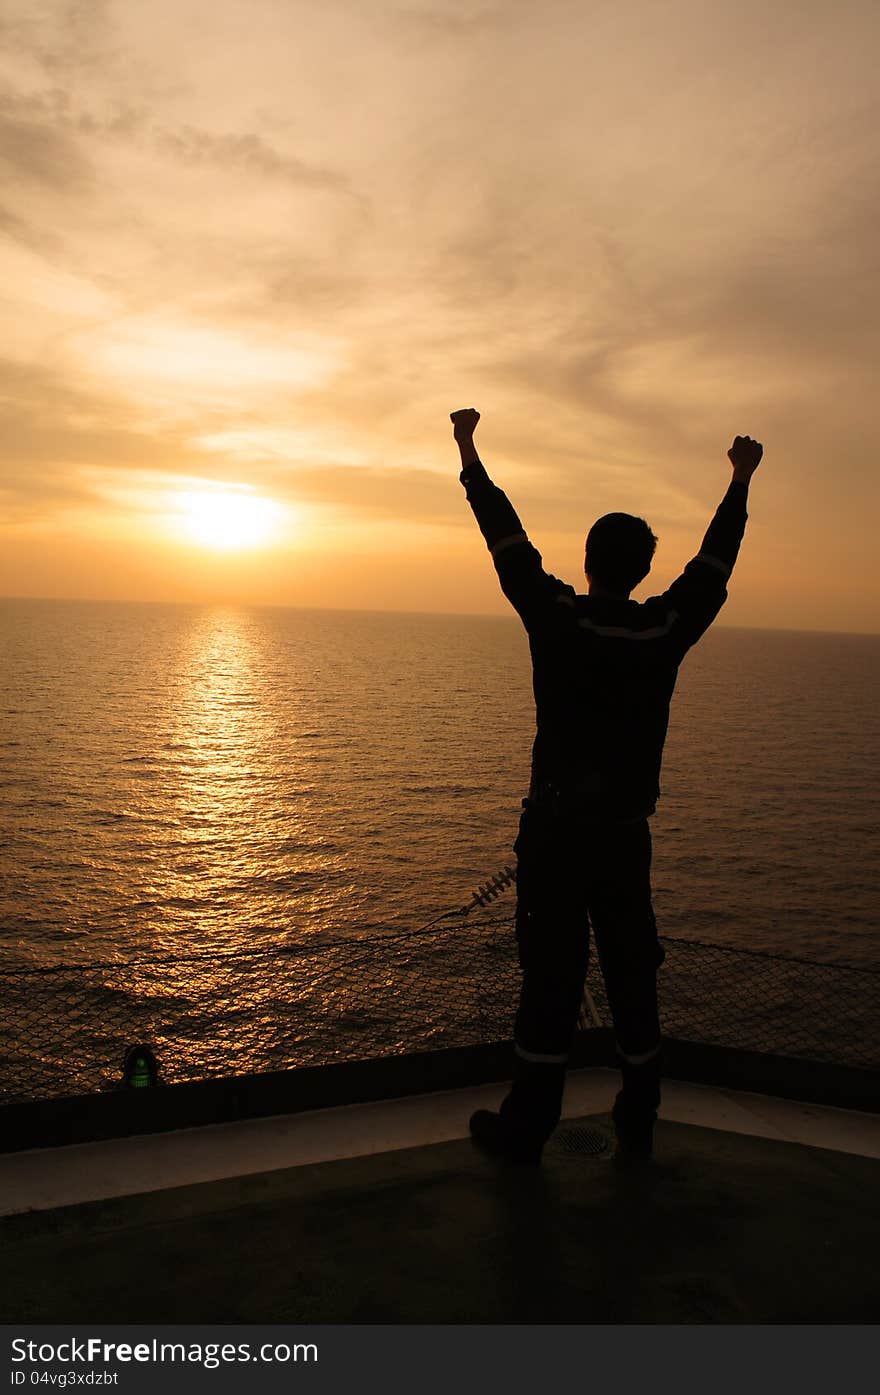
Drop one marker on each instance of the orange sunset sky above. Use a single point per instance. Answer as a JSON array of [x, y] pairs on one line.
[[254, 253]]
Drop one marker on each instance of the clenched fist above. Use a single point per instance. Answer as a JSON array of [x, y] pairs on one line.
[[745, 457], [464, 423]]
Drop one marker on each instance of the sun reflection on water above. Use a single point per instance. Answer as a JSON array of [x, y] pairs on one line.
[[248, 861]]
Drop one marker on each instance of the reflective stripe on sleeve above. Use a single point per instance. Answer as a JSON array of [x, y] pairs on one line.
[[622, 632], [713, 562], [504, 543]]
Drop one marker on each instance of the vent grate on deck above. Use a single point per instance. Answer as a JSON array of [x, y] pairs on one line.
[[584, 1141]]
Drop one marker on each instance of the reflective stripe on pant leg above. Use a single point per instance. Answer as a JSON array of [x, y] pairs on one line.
[[630, 954], [553, 940], [638, 1060], [538, 1059]]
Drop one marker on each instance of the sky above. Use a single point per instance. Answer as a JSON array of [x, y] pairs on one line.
[[254, 252]]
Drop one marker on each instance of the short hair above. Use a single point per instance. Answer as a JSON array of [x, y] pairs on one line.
[[619, 551]]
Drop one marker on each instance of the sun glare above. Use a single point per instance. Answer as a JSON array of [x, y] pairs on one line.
[[228, 520]]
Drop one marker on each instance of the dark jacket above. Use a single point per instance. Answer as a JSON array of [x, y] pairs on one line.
[[604, 669]]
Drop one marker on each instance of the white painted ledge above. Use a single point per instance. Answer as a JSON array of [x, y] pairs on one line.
[[44, 1178]]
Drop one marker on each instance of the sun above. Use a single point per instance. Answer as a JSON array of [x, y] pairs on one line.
[[227, 520]]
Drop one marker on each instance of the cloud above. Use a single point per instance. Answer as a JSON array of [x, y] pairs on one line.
[[28, 234], [248, 153], [46, 495], [420, 24], [273, 286], [410, 495], [51, 427], [64, 38], [38, 153]]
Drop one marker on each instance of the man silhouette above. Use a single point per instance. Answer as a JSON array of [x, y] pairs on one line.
[[604, 670]]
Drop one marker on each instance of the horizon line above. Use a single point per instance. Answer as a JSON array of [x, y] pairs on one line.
[[374, 610]]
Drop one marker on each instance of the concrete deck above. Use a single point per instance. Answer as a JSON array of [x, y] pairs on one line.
[[756, 1210]]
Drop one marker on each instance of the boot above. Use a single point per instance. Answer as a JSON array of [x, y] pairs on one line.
[[635, 1108], [496, 1136]]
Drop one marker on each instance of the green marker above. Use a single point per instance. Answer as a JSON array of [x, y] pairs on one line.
[[140, 1074], [140, 1070]]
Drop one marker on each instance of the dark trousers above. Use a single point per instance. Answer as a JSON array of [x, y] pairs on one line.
[[573, 875]]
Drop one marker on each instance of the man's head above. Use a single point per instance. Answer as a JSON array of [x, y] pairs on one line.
[[619, 552]]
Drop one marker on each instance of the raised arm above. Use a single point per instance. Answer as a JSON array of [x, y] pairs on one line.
[[701, 590], [523, 580]]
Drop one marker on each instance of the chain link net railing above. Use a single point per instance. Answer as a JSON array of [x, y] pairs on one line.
[[65, 1030]]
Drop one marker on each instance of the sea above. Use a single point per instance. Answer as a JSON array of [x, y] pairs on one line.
[[178, 778]]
